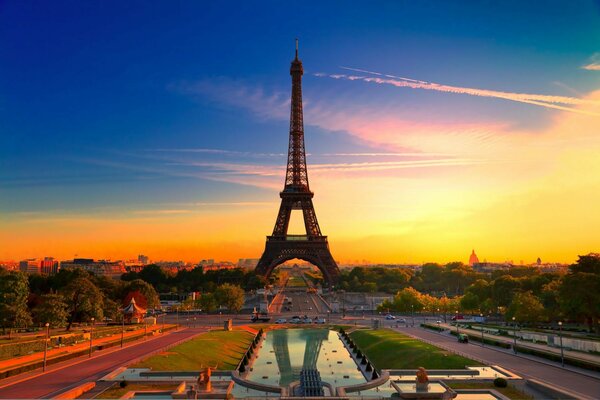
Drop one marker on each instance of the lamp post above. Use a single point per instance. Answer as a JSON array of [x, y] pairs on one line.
[[514, 335], [122, 328], [412, 315], [163, 324], [145, 330], [562, 354], [91, 338], [46, 345], [456, 320], [482, 341]]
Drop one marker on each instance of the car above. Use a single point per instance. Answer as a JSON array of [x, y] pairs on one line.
[[295, 320], [310, 308], [281, 321], [402, 320], [462, 338], [307, 321], [389, 317], [438, 322], [320, 321]]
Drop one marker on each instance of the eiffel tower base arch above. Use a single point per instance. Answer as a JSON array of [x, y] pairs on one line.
[[277, 251]]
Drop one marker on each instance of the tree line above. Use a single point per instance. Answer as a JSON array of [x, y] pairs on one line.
[[521, 292], [75, 296]]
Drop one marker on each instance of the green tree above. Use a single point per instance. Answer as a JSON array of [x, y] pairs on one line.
[[407, 300], [526, 308], [84, 301], [470, 302], [14, 291], [52, 309], [503, 290], [139, 285], [208, 302], [231, 296]]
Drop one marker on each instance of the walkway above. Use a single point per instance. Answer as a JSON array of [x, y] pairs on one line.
[[64, 376], [578, 355], [586, 387]]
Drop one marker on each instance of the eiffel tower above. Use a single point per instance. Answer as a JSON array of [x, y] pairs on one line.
[[296, 195]]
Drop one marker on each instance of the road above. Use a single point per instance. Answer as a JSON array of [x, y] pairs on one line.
[[64, 376], [586, 387]]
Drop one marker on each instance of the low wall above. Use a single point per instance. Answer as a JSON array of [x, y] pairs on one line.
[[552, 391], [76, 391]]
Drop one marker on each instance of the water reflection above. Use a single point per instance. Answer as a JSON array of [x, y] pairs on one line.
[[286, 352]]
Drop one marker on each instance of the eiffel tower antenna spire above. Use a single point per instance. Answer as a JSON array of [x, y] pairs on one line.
[[296, 195]]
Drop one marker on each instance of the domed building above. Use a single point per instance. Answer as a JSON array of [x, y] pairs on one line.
[[473, 258]]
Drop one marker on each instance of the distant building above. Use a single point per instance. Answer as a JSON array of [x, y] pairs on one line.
[[247, 263], [143, 260], [223, 265], [473, 259], [30, 266], [111, 269], [539, 261], [49, 266]]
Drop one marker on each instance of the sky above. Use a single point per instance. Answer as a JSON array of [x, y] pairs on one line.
[[432, 128]]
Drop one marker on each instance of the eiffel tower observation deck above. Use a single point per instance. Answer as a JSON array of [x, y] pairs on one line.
[[312, 247]]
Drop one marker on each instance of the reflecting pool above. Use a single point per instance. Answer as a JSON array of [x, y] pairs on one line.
[[285, 352]]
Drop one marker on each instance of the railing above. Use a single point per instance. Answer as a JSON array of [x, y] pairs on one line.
[[305, 238]]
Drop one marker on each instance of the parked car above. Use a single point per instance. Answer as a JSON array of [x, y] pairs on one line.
[[402, 320], [462, 338], [281, 321], [307, 320], [390, 317], [320, 321], [295, 320]]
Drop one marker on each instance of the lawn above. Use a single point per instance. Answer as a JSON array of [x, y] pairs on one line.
[[509, 391], [220, 349], [117, 392], [388, 349]]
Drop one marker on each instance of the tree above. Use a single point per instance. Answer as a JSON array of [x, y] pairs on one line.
[[14, 290], [84, 300], [139, 285], [579, 299], [231, 296], [503, 290], [208, 302], [406, 300], [526, 308], [52, 309], [470, 302]]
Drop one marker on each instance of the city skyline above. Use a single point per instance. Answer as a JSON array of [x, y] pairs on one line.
[[426, 137]]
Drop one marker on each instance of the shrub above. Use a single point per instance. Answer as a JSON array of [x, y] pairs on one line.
[[123, 384], [500, 382]]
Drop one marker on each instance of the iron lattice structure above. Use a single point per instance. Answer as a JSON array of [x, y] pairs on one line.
[[296, 195]]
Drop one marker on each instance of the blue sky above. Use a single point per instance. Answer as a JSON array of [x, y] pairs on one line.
[[95, 96]]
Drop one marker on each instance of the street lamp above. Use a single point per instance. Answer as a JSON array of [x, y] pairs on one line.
[[177, 310], [562, 354], [91, 337], [122, 328], [514, 335], [456, 320], [482, 340], [412, 314], [46, 345]]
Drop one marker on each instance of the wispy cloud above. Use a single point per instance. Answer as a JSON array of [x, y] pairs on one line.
[[594, 64], [548, 101]]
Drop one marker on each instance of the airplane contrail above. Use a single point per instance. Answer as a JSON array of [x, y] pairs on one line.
[[548, 101]]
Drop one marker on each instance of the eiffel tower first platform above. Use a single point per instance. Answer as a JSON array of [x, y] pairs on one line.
[[296, 195]]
